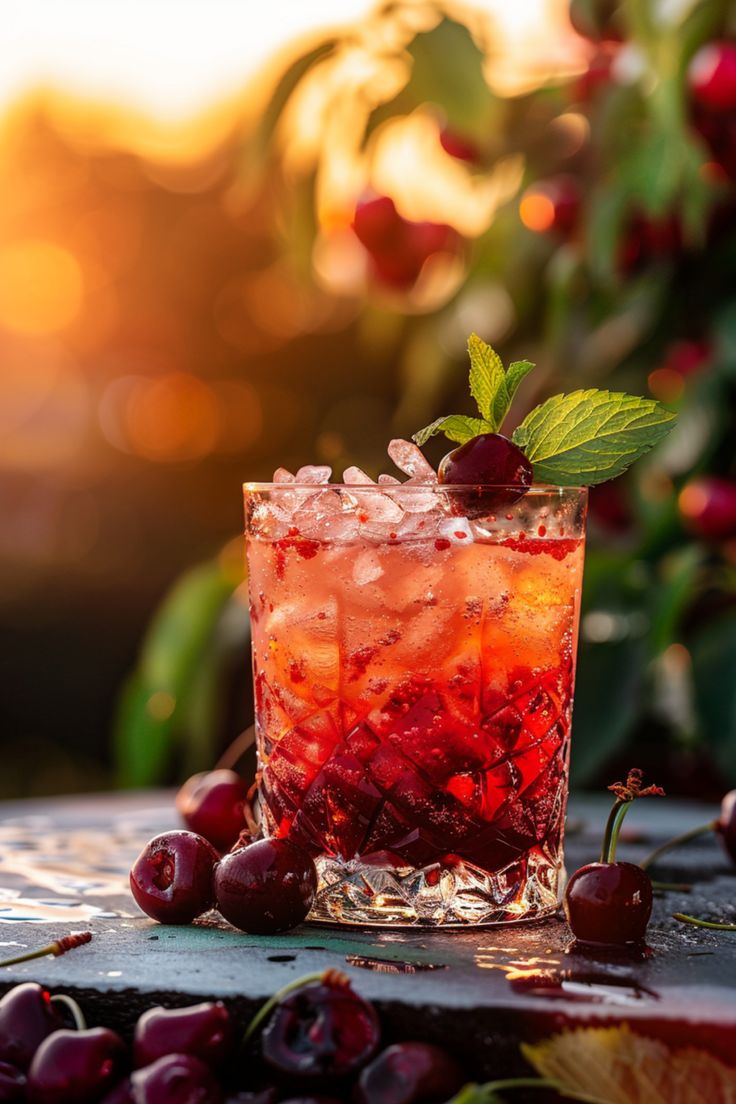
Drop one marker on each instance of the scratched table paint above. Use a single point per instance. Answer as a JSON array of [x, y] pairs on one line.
[[64, 863]]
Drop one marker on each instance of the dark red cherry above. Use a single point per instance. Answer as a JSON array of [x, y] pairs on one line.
[[175, 1079], [398, 247], [75, 1067], [707, 506], [322, 1030], [727, 823], [609, 902], [12, 1083], [489, 459], [211, 804], [204, 1030], [27, 1017], [266, 887], [711, 76], [410, 1073], [171, 879]]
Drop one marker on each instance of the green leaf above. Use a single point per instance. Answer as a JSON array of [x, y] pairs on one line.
[[487, 381], [457, 427], [515, 373], [587, 437]]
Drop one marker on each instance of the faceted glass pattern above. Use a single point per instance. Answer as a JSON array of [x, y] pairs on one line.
[[414, 675]]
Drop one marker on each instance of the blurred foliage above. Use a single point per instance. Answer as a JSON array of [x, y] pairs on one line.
[[588, 223]]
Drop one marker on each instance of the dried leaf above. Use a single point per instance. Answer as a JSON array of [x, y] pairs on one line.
[[616, 1066]]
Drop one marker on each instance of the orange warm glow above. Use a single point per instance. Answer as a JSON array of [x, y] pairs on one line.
[[41, 288], [537, 212]]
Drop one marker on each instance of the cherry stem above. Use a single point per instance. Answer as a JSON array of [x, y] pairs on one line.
[[685, 837], [265, 1010], [58, 947], [237, 749], [77, 1014], [613, 827], [685, 919]]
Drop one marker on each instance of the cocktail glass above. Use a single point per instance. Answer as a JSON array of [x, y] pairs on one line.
[[414, 657]]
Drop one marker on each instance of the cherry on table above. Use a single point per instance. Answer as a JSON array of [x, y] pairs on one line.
[[211, 804], [203, 1030], [322, 1030], [171, 879], [75, 1067], [609, 902], [266, 887], [12, 1083], [726, 824], [410, 1073], [175, 1079], [27, 1017]]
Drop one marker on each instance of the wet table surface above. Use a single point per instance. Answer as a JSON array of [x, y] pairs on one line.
[[64, 864]]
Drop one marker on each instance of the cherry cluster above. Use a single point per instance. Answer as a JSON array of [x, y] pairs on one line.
[[263, 888], [316, 1042]]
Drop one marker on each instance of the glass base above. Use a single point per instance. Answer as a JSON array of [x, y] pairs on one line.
[[356, 892]]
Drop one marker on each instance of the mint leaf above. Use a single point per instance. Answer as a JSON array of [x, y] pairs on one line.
[[587, 437], [515, 373], [457, 427], [487, 381]]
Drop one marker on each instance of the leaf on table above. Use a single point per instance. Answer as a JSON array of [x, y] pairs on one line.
[[614, 1065]]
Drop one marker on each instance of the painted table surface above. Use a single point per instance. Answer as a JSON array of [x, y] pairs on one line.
[[64, 864]]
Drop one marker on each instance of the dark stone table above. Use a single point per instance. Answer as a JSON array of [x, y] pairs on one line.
[[64, 863]]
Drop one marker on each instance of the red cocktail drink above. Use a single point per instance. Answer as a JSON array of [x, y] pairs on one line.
[[414, 655]]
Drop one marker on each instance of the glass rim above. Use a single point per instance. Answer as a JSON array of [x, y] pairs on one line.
[[392, 488]]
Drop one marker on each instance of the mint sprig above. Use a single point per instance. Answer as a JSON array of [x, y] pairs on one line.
[[585, 437], [491, 385]]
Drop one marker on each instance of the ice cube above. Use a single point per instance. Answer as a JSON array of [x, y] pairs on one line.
[[314, 473], [410, 459], [281, 475], [354, 474], [367, 568]]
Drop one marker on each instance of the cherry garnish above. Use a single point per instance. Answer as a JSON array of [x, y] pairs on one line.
[[266, 887], [27, 1017], [410, 1073], [75, 1067], [175, 1079], [171, 879], [12, 1083], [203, 1030], [610, 902], [489, 458], [321, 1030], [211, 804]]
